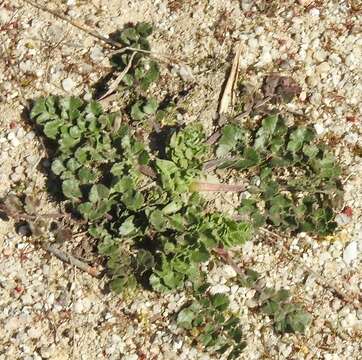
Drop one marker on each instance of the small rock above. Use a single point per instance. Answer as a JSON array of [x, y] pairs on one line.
[[12, 324], [342, 219], [68, 84], [96, 54], [20, 133], [219, 289], [351, 138], [15, 177], [185, 73], [78, 307], [314, 12], [19, 169], [350, 253], [319, 128], [15, 142], [50, 299], [27, 299], [31, 159], [30, 135], [228, 272], [35, 332], [24, 230], [323, 69]]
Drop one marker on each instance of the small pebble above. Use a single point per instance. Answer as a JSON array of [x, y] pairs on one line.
[[342, 219], [350, 253], [96, 54], [15, 177], [68, 84], [319, 128], [30, 135], [219, 289]]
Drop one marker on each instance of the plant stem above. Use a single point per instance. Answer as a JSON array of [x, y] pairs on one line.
[[204, 186]]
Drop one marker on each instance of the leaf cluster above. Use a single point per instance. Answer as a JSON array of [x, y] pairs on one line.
[[294, 181], [100, 173], [208, 320], [288, 317], [144, 71]]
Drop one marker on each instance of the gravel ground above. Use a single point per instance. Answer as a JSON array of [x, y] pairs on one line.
[[52, 311]]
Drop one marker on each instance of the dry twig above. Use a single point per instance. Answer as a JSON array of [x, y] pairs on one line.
[[227, 98], [97, 35], [113, 87], [72, 260]]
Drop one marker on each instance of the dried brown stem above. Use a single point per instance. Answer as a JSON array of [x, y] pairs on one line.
[[97, 35], [113, 87], [61, 255], [75, 24]]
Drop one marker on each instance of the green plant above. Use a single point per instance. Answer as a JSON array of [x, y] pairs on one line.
[[288, 317], [144, 71], [145, 207], [294, 181], [210, 323]]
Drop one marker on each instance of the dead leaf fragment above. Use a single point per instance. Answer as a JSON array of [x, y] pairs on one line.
[[280, 88]]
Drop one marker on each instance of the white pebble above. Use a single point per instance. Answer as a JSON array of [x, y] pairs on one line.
[[11, 136], [319, 128], [185, 73], [228, 272], [19, 169], [78, 307], [15, 142], [68, 84], [342, 219], [35, 332], [15, 177], [350, 253], [219, 289], [30, 135], [96, 54]]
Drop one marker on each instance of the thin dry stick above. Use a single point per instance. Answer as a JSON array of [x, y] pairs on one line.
[[97, 35], [204, 186], [115, 84], [75, 24], [353, 299], [149, 52], [228, 95], [72, 260]]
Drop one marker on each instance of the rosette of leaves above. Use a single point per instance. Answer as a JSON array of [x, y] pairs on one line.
[[288, 317], [294, 181], [142, 109], [144, 71], [185, 155], [193, 244], [98, 164], [156, 230], [209, 322]]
